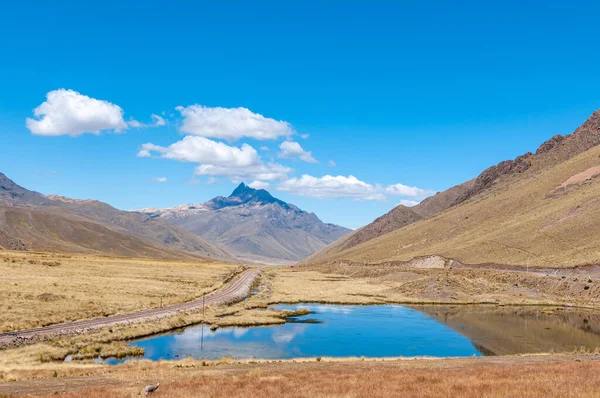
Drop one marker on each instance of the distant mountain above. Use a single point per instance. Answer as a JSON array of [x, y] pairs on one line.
[[539, 208], [254, 225], [30, 220]]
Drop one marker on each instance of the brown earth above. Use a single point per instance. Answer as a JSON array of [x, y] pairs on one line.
[[525, 376]]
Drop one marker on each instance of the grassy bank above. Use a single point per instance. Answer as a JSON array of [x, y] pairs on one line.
[[522, 376]]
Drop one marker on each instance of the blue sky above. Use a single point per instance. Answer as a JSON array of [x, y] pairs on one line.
[[425, 94]]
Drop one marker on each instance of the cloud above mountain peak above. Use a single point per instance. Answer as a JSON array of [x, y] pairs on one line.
[[231, 123]]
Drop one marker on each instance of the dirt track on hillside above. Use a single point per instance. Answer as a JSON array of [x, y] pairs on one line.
[[235, 290]]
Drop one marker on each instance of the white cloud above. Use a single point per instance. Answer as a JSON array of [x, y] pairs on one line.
[[405, 190], [259, 184], [305, 136], [332, 163], [291, 149], [332, 187], [264, 148], [266, 172], [135, 124], [349, 187], [158, 121], [67, 112], [408, 203], [159, 179], [231, 123], [204, 151], [217, 159], [212, 180]]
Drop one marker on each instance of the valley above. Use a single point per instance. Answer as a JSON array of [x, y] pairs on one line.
[[505, 264]]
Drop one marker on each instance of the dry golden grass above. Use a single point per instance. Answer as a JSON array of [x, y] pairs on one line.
[[541, 376], [39, 289], [377, 285], [521, 221]]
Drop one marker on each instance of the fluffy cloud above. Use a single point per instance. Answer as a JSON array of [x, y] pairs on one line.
[[405, 190], [332, 187], [332, 163], [231, 123], [204, 151], [159, 179], [349, 187], [67, 112], [291, 149], [259, 184], [217, 159], [135, 124]]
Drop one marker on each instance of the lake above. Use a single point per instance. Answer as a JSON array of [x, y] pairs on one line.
[[387, 331]]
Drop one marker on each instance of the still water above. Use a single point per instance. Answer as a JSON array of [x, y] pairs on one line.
[[387, 331]]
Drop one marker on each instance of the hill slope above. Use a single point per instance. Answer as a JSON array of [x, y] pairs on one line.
[[33, 221], [541, 209], [253, 224], [398, 217]]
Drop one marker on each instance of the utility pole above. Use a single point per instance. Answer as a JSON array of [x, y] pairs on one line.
[[203, 307], [160, 301]]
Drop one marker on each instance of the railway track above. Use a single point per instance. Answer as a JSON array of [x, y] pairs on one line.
[[235, 290]]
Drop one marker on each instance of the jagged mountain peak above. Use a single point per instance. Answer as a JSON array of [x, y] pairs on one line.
[[254, 225], [245, 194]]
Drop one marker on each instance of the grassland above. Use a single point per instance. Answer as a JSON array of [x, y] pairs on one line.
[[403, 284], [40, 289], [525, 376], [94, 286]]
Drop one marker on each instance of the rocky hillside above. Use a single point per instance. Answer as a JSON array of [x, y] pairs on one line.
[[33, 221], [526, 210], [254, 225]]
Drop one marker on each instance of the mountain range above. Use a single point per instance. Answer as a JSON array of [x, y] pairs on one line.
[[249, 225], [32, 221], [541, 208], [254, 225]]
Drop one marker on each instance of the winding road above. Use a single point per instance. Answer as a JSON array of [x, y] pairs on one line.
[[235, 290]]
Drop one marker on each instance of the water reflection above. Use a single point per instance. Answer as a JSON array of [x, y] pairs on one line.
[[387, 331], [331, 330], [519, 330]]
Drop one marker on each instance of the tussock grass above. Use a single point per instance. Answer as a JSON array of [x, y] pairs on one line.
[[527, 376], [39, 289]]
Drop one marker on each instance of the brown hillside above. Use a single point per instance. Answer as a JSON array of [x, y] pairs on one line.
[[554, 151], [52, 229], [515, 217], [81, 218], [389, 222]]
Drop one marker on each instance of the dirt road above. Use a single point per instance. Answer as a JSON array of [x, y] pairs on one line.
[[235, 290]]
